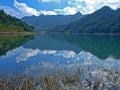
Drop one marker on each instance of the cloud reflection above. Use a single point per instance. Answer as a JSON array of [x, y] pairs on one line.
[[44, 60]]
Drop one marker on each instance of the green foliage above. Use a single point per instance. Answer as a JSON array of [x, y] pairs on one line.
[[12, 24]]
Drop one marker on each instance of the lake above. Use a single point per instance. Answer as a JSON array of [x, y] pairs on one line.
[[41, 54]]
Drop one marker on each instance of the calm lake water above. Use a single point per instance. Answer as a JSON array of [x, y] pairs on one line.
[[49, 53]]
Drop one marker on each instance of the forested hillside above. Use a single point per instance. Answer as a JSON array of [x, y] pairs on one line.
[[105, 20], [12, 24]]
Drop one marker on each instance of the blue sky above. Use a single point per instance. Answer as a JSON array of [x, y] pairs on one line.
[[21, 8]]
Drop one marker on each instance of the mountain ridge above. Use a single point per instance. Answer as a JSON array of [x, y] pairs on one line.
[[104, 20], [47, 21]]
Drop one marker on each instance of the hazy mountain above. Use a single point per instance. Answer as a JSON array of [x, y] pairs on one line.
[[104, 20], [11, 24], [47, 21]]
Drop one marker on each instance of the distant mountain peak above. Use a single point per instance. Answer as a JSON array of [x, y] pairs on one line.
[[106, 8], [78, 13], [42, 15], [47, 21]]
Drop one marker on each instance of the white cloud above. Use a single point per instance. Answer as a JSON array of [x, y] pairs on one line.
[[11, 11], [47, 12], [23, 8], [67, 10], [28, 11], [88, 6], [49, 1], [74, 6]]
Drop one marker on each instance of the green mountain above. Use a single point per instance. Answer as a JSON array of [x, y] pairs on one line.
[[104, 20], [12, 24], [47, 21]]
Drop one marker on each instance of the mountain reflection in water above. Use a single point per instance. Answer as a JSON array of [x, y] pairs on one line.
[[101, 46], [45, 53]]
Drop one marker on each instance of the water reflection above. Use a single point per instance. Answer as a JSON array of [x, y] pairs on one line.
[[39, 62], [53, 52], [60, 54], [10, 42], [100, 46]]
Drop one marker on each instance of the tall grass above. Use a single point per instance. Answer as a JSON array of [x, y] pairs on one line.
[[62, 81]]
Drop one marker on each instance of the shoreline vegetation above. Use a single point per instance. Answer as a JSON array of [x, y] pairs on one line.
[[16, 33], [110, 80], [44, 33]]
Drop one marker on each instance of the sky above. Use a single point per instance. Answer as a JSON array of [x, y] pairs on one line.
[[21, 8]]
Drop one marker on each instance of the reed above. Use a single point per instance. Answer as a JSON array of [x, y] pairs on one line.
[[61, 81]]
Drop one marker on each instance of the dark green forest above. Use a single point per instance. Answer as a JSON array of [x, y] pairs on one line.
[[12, 24]]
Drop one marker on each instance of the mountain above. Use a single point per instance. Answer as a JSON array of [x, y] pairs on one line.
[[47, 21], [12, 24], [104, 20]]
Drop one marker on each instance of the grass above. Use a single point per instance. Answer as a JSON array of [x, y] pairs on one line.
[[61, 81]]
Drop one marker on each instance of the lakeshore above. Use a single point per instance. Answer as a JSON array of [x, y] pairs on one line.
[[16, 33]]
